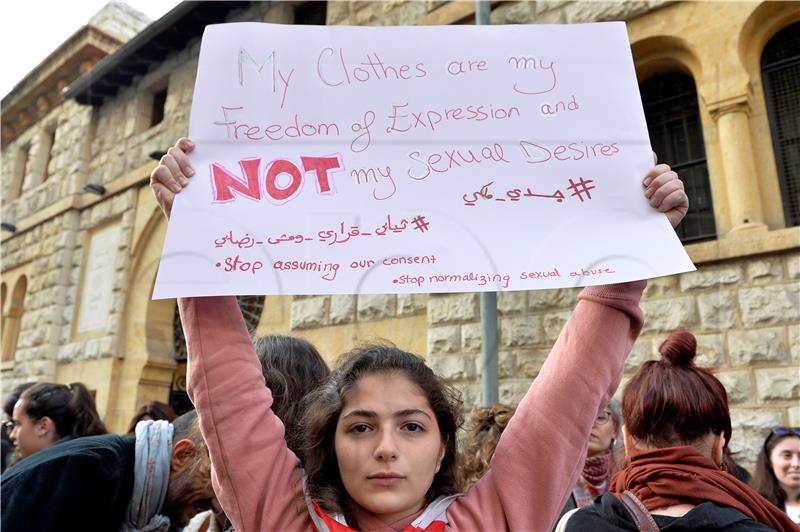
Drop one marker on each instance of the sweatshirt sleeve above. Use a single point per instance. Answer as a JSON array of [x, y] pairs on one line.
[[541, 452], [256, 477]]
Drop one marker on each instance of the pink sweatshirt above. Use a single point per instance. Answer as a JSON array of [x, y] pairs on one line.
[[537, 461]]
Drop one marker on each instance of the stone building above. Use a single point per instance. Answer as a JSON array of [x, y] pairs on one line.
[[82, 235]]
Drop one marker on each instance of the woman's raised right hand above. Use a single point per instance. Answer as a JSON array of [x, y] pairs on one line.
[[172, 174]]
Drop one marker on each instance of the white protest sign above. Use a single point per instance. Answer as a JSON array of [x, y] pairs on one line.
[[415, 159]]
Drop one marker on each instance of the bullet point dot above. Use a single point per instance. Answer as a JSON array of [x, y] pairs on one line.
[[219, 264]]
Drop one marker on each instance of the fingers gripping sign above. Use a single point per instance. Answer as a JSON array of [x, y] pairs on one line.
[[172, 174], [664, 190]]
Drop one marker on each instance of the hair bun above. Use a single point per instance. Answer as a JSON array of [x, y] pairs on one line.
[[679, 349]]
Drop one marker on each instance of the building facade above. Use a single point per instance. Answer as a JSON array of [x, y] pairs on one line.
[[720, 84]]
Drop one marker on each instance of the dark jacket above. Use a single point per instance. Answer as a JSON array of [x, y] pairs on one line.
[[84, 484], [608, 514], [570, 505]]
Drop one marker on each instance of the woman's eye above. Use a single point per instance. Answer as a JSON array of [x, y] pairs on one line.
[[360, 428], [414, 427]]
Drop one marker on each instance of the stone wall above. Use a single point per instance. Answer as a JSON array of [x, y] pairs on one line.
[[72, 346], [335, 324], [120, 20], [43, 250], [50, 172], [395, 13]]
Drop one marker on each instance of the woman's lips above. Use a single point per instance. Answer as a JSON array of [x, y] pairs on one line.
[[385, 479]]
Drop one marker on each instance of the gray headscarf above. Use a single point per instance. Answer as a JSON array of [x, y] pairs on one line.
[[150, 477]]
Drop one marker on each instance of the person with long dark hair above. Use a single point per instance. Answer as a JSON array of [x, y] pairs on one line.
[[380, 433], [292, 368], [777, 474], [154, 410], [49, 413], [677, 426]]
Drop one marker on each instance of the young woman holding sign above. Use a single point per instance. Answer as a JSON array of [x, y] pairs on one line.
[[380, 433]]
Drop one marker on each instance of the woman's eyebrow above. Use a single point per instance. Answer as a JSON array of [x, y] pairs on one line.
[[360, 413], [410, 412], [400, 413]]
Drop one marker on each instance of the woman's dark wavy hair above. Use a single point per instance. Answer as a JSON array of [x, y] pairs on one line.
[[154, 410], [71, 407], [764, 481], [324, 406], [13, 397], [292, 368]]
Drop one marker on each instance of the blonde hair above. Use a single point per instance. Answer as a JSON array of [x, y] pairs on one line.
[[487, 424]]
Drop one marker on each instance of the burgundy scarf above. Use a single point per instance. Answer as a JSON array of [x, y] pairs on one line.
[[596, 470], [681, 475]]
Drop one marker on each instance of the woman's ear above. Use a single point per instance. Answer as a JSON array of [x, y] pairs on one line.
[[719, 449], [628, 441], [442, 452], [45, 427]]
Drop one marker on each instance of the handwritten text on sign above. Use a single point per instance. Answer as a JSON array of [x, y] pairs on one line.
[[415, 159]]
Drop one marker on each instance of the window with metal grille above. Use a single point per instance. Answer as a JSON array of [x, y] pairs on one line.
[[780, 73], [251, 307], [673, 120]]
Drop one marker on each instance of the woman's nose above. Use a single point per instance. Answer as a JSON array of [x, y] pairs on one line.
[[387, 446]]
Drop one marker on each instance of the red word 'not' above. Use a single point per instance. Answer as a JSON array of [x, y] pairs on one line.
[[226, 185]]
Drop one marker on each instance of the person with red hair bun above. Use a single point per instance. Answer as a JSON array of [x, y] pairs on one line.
[[677, 428]]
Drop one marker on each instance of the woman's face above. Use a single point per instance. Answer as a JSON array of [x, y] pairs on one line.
[[30, 436], [785, 458], [388, 446], [603, 431]]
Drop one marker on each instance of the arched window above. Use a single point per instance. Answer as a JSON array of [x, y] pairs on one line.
[[13, 318], [673, 120], [251, 307], [780, 72]]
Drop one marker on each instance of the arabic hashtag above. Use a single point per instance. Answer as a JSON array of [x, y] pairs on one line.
[[420, 223], [581, 187]]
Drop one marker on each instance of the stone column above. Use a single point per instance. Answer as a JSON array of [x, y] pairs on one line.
[[741, 177]]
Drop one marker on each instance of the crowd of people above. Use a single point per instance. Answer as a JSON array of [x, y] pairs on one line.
[[279, 442]]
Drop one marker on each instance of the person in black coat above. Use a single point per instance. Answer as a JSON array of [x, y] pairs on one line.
[[87, 484], [609, 514]]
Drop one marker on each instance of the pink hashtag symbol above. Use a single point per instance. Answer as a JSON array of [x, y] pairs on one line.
[[581, 187], [420, 223]]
